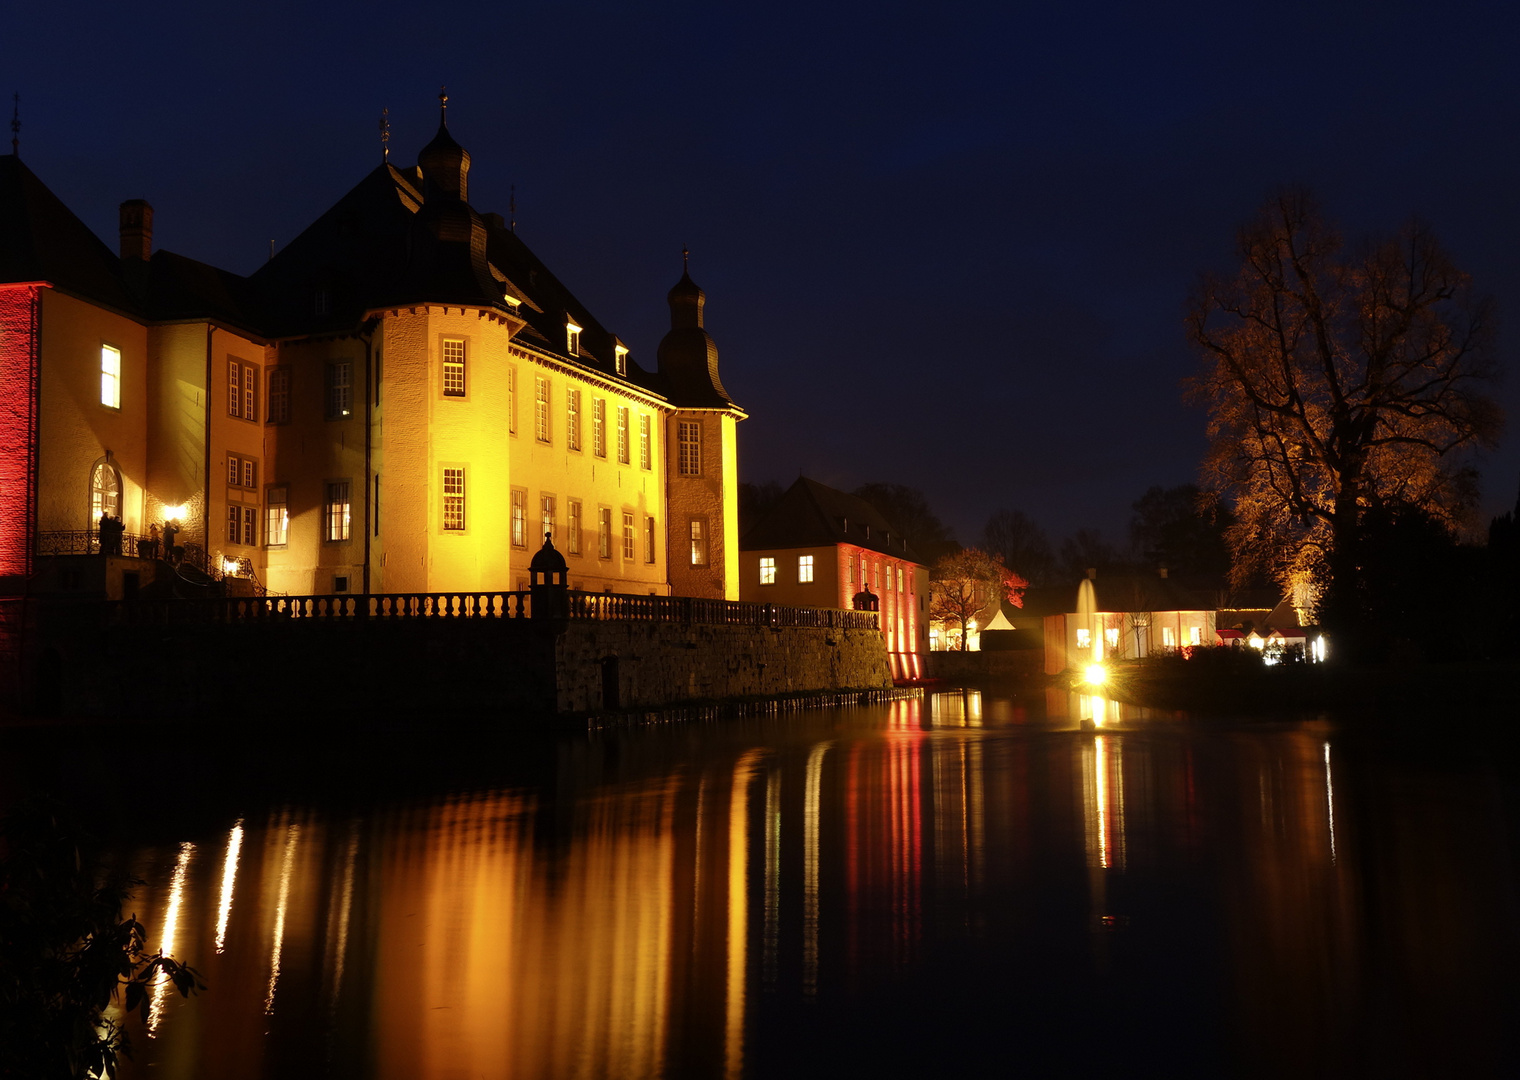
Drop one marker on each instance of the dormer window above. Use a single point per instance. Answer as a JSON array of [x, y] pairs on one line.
[[572, 339], [621, 359]]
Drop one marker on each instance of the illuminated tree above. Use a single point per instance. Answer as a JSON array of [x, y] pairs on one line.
[[1337, 382], [970, 584]]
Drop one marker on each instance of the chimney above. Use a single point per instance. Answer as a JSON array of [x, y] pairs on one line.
[[136, 230]]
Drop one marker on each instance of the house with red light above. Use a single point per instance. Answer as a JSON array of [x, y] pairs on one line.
[[821, 547]]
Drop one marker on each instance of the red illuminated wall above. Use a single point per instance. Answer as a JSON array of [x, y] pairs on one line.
[[18, 425]]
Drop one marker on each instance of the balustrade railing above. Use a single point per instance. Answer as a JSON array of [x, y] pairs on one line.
[[87, 542], [395, 607]]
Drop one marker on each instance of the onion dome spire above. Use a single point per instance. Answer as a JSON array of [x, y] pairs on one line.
[[687, 355], [445, 164]]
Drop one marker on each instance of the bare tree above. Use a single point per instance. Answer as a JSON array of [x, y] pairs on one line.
[[1021, 545], [967, 585], [1337, 382]]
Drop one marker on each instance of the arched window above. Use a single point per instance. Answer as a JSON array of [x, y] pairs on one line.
[[105, 491]]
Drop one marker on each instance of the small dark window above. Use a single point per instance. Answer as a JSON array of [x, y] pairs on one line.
[[340, 583]]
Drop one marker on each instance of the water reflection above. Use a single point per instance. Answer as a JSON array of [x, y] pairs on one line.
[[671, 900]]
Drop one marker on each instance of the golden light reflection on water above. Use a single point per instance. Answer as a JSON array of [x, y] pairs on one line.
[[169, 938], [229, 879], [277, 941], [628, 926]]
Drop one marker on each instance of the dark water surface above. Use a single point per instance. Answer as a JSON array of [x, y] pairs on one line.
[[957, 886]]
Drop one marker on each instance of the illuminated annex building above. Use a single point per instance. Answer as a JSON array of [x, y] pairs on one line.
[[404, 399]]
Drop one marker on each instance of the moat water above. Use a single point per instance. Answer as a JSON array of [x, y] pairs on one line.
[[961, 885]]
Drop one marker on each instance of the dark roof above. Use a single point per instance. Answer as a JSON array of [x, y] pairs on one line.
[[181, 288], [1127, 592], [811, 514], [44, 241]]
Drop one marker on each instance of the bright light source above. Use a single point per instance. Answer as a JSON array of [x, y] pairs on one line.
[[229, 566], [1095, 674], [175, 513]]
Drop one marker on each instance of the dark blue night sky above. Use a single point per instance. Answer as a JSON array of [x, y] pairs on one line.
[[942, 246]]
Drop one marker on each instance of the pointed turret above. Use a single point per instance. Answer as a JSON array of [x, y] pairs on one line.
[[688, 357], [445, 164]]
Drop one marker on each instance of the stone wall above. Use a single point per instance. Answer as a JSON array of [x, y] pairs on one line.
[[657, 664], [975, 667], [75, 662]]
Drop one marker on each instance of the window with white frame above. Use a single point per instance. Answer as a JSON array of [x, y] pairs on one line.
[[804, 569], [767, 570], [110, 376], [573, 527], [541, 408], [689, 436], [573, 418], [1195, 635], [277, 516], [1111, 637], [453, 499], [572, 339], [899, 579], [1168, 637], [649, 539], [604, 533], [519, 518], [627, 537], [599, 427], [698, 542], [1084, 637], [243, 525], [620, 361], [242, 390], [646, 456], [546, 514], [453, 367], [336, 511], [242, 472], [279, 395], [622, 418], [340, 390]]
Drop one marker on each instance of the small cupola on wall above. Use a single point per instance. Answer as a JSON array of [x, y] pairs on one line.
[[444, 163]]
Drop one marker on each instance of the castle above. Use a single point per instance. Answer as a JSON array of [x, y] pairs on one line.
[[402, 400]]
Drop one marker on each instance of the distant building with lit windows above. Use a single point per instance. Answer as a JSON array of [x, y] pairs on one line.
[[381, 407], [820, 547]]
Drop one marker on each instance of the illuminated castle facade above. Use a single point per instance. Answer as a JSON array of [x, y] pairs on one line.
[[404, 399]]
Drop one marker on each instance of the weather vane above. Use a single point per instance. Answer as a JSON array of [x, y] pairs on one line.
[[512, 206], [443, 105], [685, 259], [16, 125], [385, 134]]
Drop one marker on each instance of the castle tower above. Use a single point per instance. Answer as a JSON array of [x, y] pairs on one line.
[[701, 459]]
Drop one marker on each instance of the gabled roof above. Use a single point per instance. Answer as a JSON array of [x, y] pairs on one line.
[[44, 241], [811, 514]]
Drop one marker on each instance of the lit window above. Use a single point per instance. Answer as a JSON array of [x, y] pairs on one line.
[[572, 339], [804, 569], [644, 449], [850, 563], [453, 500], [105, 492], [279, 395], [690, 439], [336, 510], [599, 427], [573, 419], [519, 518], [541, 409], [340, 390], [628, 536], [453, 367], [767, 570], [1168, 637], [1084, 638], [573, 540], [1195, 635], [1111, 636], [623, 434], [604, 533], [277, 517], [511, 400], [110, 376], [649, 539], [546, 514], [899, 579], [698, 544], [621, 359]]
